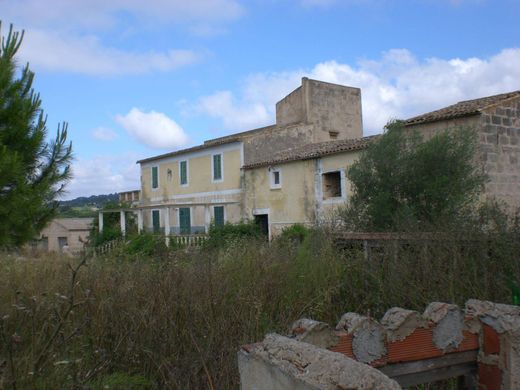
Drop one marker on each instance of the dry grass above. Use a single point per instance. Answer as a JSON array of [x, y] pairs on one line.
[[177, 323]]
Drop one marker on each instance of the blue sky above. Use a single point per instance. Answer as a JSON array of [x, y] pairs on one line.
[[135, 79]]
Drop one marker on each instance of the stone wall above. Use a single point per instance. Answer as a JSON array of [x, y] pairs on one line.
[[500, 149], [481, 342], [498, 132]]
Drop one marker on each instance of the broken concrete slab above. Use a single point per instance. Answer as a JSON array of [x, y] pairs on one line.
[[283, 363]]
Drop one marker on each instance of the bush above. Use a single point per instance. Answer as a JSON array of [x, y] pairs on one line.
[[295, 233], [146, 244], [221, 236]]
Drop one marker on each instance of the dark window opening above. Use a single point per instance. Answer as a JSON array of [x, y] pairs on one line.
[[276, 178], [263, 221], [62, 241], [332, 185], [333, 134]]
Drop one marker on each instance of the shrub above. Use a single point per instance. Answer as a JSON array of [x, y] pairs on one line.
[[295, 233], [220, 236]]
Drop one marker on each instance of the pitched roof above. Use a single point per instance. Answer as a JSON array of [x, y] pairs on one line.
[[210, 143], [312, 151], [461, 109], [75, 223]]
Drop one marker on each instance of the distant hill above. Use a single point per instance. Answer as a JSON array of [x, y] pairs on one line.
[[85, 206], [92, 201]]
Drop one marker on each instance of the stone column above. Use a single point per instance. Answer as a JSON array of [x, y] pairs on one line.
[[207, 219], [101, 221], [123, 222], [139, 221], [167, 225]]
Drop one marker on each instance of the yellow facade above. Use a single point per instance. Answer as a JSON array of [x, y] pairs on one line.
[[299, 198], [200, 194]]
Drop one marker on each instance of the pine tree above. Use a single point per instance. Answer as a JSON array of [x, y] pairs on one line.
[[33, 171]]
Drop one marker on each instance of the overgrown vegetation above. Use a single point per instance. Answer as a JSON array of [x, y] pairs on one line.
[[405, 183], [177, 320]]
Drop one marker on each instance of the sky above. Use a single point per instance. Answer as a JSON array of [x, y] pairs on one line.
[[135, 78]]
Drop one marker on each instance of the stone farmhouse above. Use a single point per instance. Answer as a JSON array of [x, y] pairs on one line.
[[295, 170], [64, 235]]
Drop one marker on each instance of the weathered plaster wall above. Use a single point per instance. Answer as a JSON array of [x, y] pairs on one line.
[[269, 142], [299, 198], [291, 108], [333, 108], [292, 203], [200, 175]]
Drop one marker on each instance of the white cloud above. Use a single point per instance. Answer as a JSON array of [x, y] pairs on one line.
[[153, 129], [104, 134], [103, 174], [107, 14], [397, 85], [85, 54]]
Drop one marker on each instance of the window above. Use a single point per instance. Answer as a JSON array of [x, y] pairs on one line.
[[183, 172], [276, 178], [218, 215], [156, 221], [155, 178], [217, 167], [62, 241], [332, 185], [184, 220]]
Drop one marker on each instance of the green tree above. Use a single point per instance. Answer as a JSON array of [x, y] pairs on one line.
[[402, 182], [33, 171]]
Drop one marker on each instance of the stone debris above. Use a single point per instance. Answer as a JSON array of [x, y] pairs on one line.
[[449, 324], [502, 318], [368, 342], [312, 367], [401, 323], [314, 332]]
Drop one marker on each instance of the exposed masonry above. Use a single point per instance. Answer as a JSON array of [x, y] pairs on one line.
[[482, 342]]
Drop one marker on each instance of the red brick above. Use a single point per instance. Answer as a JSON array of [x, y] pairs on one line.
[[344, 345], [489, 377], [491, 341]]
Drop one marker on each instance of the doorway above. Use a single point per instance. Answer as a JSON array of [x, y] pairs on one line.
[[263, 221]]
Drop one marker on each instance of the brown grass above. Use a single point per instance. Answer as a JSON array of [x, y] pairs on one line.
[[177, 323]]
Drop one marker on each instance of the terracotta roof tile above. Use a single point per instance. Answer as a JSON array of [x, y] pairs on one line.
[[311, 151], [461, 109]]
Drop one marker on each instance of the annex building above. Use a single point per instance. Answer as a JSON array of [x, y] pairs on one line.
[[295, 170]]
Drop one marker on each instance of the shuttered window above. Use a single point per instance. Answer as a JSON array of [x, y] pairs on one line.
[[155, 177], [184, 172], [156, 221], [184, 220], [218, 215], [217, 167]]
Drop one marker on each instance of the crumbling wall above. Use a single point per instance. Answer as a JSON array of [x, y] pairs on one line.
[[481, 341]]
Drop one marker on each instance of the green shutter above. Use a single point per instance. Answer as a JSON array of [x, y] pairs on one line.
[[184, 220], [156, 221], [155, 177], [217, 167], [218, 212], [184, 173]]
